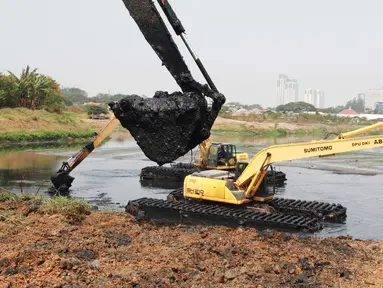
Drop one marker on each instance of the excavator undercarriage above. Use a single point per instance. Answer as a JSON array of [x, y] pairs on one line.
[[279, 213], [164, 176]]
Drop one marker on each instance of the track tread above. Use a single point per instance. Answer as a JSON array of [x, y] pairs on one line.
[[245, 216], [330, 212]]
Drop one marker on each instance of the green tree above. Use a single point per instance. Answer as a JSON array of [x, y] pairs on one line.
[[356, 104], [332, 110], [8, 95], [97, 109], [72, 96], [296, 107], [32, 90]]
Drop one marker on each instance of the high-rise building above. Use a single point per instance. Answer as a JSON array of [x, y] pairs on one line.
[[287, 90], [314, 97], [372, 97]]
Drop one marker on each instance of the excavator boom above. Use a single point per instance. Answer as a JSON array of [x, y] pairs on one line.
[[296, 151], [61, 180], [321, 148]]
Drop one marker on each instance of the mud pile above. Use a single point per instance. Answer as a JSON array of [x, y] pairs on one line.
[[167, 126]]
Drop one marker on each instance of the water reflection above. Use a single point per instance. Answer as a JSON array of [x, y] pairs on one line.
[[166, 184], [30, 167]]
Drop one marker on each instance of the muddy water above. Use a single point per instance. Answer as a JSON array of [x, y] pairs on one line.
[[109, 178]]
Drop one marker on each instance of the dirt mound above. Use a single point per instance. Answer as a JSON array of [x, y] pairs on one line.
[[113, 250]]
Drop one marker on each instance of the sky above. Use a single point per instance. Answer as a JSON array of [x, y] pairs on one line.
[[335, 46]]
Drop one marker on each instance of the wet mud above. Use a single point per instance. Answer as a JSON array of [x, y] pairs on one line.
[[168, 125]]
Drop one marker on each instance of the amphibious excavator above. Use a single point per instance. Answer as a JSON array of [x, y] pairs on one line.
[[241, 199], [212, 155]]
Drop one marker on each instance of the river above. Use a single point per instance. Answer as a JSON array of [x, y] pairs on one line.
[[109, 178]]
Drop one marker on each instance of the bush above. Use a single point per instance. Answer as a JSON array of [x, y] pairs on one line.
[[97, 109]]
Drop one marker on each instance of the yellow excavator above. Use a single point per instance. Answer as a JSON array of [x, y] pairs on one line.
[[217, 155], [243, 188], [217, 195]]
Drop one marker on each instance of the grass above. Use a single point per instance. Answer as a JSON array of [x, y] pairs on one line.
[[23, 114], [73, 210], [277, 132], [23, 125], [40, 136], [52, 146]]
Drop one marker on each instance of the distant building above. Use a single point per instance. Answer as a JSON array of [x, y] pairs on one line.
[[314, 97], [378, 106], [348, 111], [287, 90], [372, 97]]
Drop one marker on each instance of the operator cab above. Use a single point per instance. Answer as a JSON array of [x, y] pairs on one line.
[[221, 154], [240, 167], [263, 190]]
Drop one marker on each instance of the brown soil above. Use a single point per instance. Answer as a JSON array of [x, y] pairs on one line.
[[232, 124], [43, 121], [110, 249]]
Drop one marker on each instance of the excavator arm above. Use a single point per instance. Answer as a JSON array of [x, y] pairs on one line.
[[167, 126], [61, 180], [253, 174]]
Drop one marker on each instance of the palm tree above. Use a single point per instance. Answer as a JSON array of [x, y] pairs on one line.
[[33, 89]]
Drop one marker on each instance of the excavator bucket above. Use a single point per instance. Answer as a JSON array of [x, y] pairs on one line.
[[62, 181], [167, 126]]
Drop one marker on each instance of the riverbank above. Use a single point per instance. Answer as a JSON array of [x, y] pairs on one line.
[[279, 128], [44, 246], [36, 126]]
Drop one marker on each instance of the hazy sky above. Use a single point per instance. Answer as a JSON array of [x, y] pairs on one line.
[[336, 46]]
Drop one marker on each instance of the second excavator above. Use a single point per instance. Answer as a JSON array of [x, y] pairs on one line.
[[212, 156]]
